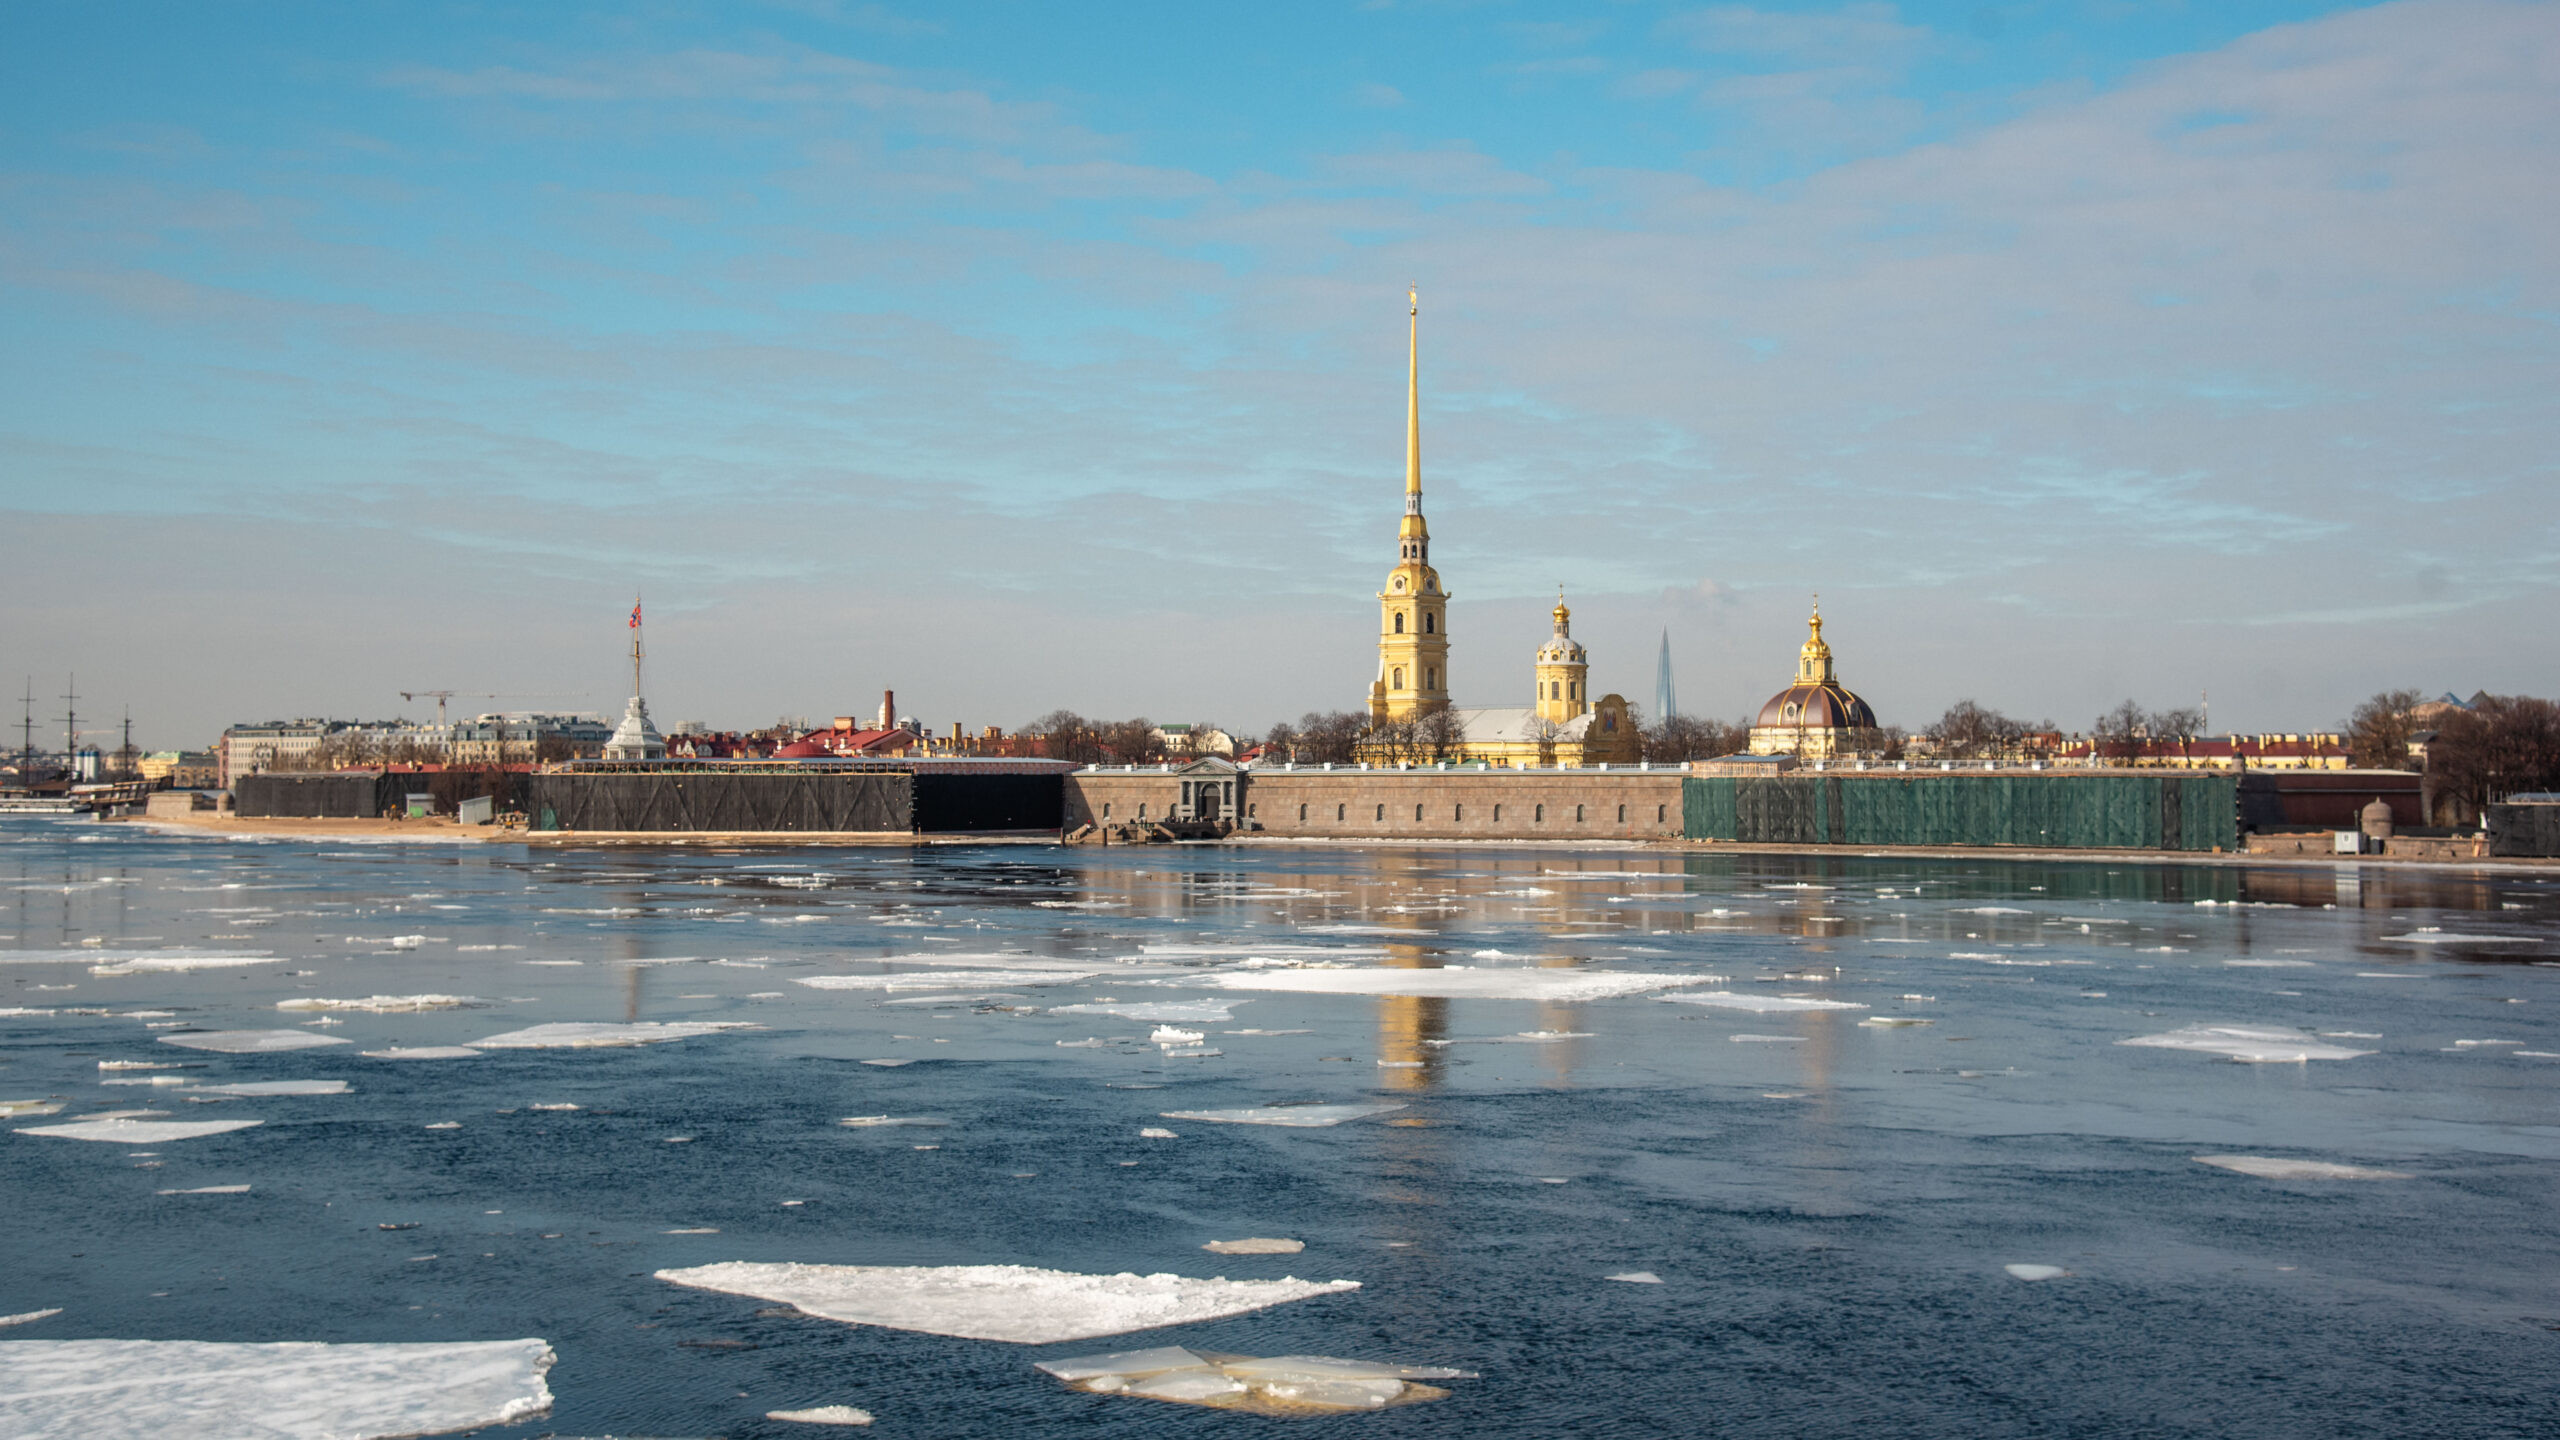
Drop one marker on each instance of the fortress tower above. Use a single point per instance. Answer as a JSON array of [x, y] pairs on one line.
[[1413, 612]]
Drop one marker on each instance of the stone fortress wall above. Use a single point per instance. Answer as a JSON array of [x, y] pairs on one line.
[[1421, 803]]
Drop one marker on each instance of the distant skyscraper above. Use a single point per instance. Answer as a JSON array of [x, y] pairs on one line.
[[1666, 702]]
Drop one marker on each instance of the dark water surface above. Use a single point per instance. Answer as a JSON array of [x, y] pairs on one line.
[[1830, 1213]]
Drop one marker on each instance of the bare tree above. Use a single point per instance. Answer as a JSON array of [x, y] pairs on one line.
[[1545, 733], [2119, 734], [1437, 735], [1690, 737], [1283, 741], [2380, 730], [2502, 745], [1067, 735], [1132, 742], [1330, 737]]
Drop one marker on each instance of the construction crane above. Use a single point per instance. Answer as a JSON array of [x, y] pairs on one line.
[[441, 696]]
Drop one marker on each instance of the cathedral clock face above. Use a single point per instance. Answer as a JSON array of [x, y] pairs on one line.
[[1399, 584]]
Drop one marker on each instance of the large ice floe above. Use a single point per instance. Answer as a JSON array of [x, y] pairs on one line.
[[423, 1052], [591, 1034], [277, 1087], [138, 1130], [1281, 1385], [1454, 982], [945, 979], [1160, 1010], [383, 1004], [249, 1042], [1015, 1303], [2251, 1044], [121, 962], [1296, 1117], [1735, 1000], [155, 1389], [2269, 1167]]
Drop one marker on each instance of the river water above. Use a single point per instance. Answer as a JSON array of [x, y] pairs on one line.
[[1828, 1203]]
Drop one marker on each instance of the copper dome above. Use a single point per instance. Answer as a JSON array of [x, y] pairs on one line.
[[1826, 706]]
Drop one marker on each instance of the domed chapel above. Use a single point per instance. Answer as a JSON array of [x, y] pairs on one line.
[[1817, 717], [1562, 725]]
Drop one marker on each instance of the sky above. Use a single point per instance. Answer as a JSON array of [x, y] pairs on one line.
[[1017, 357]]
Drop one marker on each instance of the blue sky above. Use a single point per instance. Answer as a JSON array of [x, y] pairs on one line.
[[1016, 357]]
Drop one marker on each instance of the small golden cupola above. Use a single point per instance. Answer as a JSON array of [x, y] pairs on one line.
[[1413, 611], [1563, 671]]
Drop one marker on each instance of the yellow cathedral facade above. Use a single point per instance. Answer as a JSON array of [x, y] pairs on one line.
[[1562, 725]]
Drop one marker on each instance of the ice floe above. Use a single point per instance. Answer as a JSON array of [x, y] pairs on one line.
[[424, 1052], [944, 979], [590, 1035], [1296, 1117], [1734, 1000], [29, 1317], [119, 1130], [157, 962], [1193, 1010], [384, 1004], [827, 1414], [1524, 1037], [1636, 1277], [10, 1109], [1255, 1246], [207, 1190], [152, 1389], [1893, 1022], [2268, 1167], [277, 1087], [2036, 1272], [1281, 1385], [2254, 1044], [1456, 982], [249, 1042], [2432, 936], [1157, 1132], [1016, 1303], [874, 1122]]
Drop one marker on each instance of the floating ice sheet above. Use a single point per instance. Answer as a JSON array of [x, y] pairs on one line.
[[1733, 1000], [2036, 1272], [120, 1131], [2268, 1167], [943, 979], [278, 1087], [2255, 1044], [1299, 1117], [1456, 982], [153, 1389], [161, 962], [384, 1004], [1255, 1246], [2451, 937], [1199, 1010], [1637, 1277], [823, 1415], [207, 1190], [250, 1042], [1524, 1037], [29, 1317], [1015, 1303], [424, 1052], [874, 1122], [1281, 1385], [590, 1035]]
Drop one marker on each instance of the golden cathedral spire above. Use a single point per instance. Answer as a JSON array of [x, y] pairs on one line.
[[1813, 662], [1413, 640]]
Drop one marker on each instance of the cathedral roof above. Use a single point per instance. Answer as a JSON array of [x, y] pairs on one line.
[[1824, 706]]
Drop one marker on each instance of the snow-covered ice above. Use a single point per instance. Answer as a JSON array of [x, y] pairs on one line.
[[1016, 1303], [2036, 1272], [1734, 1000], [1255, 1246], [249, 1042], [383, 1004], [872, 1122], [823, 1415], [2255, 1044], [126, 1131], [1193, 1010], [155, 1389], [1455, 982], [590, 1035], [943, 979], [1304, 1117], [29, 1317], [2268, 1167], [277, 1087], [207, 1190], [1281, 1385], [423, 1052], [1637, 1277]]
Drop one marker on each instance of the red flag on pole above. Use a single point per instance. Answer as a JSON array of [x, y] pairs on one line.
[[635, 614]]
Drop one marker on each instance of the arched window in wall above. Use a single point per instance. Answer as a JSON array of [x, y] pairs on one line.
[[1398, 683], [1399, 622], [1431, 677], [1430, 624]]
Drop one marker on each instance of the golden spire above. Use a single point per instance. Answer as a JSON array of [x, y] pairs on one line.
[[1561, 614], [1413, 403], [1813, 663]]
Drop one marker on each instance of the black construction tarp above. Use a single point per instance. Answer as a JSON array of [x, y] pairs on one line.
[[965, 802], [321, 795], [775, 801], [2524, 831]]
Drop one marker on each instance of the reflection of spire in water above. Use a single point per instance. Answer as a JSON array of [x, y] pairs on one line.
[[1558, 1057]]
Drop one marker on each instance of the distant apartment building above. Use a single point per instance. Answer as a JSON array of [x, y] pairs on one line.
[[2305, 750], [182, 769], [518, 737]]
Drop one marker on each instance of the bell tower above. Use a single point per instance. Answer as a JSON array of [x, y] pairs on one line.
[[1564, 691], [1413, 611]]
